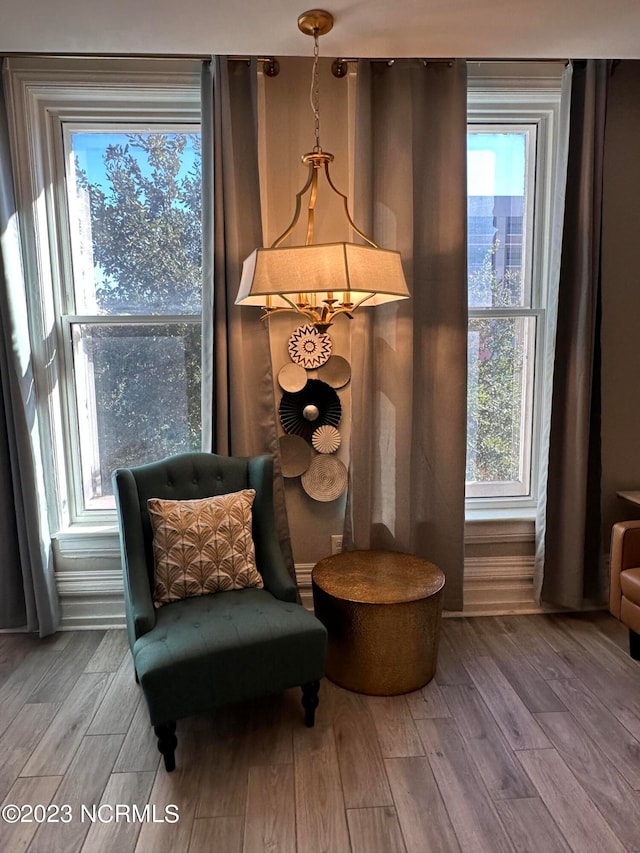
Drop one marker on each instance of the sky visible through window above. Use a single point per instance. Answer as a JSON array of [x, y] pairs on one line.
[[89, 149], [147, 197], [496, 164]]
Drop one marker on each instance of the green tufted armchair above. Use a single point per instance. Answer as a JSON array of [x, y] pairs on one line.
[[194, 655]]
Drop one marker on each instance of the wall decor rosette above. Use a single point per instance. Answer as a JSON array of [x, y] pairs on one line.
[[310, 413]]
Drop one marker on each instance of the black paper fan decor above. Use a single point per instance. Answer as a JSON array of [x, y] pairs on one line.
[[302, 412]]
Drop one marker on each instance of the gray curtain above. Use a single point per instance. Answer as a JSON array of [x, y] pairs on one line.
[[569, 549], [239, 415], [29, 597], [409, 358]]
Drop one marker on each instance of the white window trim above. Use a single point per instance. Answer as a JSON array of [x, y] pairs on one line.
[[43, 93], [523, 93]]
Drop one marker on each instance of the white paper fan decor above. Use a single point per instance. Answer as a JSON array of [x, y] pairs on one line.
[[326, 439], [309, 348]]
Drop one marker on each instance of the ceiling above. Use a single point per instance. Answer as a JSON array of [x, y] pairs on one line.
[[478, 29]]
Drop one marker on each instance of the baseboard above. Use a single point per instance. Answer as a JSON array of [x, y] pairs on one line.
[[303, 577], [492, 586], [91, 599], [499, 585]]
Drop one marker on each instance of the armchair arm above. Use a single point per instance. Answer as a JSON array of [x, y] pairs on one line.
[[141, 612], [625, 554], [269, 557], [141, 616]]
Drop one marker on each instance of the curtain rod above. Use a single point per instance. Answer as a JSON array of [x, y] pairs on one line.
[[241, 58], [340, 66], [270, 65]]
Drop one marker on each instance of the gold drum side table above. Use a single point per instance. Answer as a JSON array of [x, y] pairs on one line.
[[382, 611]]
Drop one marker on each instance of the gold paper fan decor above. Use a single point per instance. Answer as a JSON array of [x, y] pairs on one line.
[[336, 371], [326, 439], [295, 455], [325, 479]]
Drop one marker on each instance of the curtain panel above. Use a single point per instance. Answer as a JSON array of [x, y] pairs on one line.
[[29, 596], [239, 414], [568, 529], [409, 358]]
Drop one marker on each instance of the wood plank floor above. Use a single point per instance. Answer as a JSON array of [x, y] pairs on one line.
[[528, 739]]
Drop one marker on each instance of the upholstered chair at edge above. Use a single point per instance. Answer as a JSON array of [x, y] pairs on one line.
[[195, 654], [624, 584]]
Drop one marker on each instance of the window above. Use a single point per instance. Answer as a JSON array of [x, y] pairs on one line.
[[114, 242], [133, 339], [510, 161]]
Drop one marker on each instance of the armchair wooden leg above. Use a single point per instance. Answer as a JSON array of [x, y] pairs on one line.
[[310, 702], [167, 742], [634, 644]]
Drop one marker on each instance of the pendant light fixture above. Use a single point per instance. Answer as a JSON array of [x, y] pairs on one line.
[[320, 280]]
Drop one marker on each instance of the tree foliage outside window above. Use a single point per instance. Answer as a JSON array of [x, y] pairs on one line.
[[142, 257], [496, 368]]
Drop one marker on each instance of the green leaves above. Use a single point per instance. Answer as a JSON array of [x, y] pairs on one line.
[[146, 225]]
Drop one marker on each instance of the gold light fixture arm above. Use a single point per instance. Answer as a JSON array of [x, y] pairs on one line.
[[345, 202], [315, 160], [311, 210], [321, 317], [296, 215], [318, 160]]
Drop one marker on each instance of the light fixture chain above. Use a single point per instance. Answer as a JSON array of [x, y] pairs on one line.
[[315, 88]]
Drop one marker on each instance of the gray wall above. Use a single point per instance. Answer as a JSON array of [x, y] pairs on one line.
[[621, 297]]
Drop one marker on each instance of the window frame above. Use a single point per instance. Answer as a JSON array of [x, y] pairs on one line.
[[43, 95], [498, 95]]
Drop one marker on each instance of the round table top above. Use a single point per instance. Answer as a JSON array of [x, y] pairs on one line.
[[378, 577]]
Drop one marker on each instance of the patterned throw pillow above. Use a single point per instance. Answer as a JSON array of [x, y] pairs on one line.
[[202, 546]]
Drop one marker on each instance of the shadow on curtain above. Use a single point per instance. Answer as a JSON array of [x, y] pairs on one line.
[[29, 597], [239, 414], [409, 358], [568, 529]]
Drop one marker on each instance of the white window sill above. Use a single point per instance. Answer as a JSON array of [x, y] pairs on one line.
[[486, 526], [495, 513], [86, 540]]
